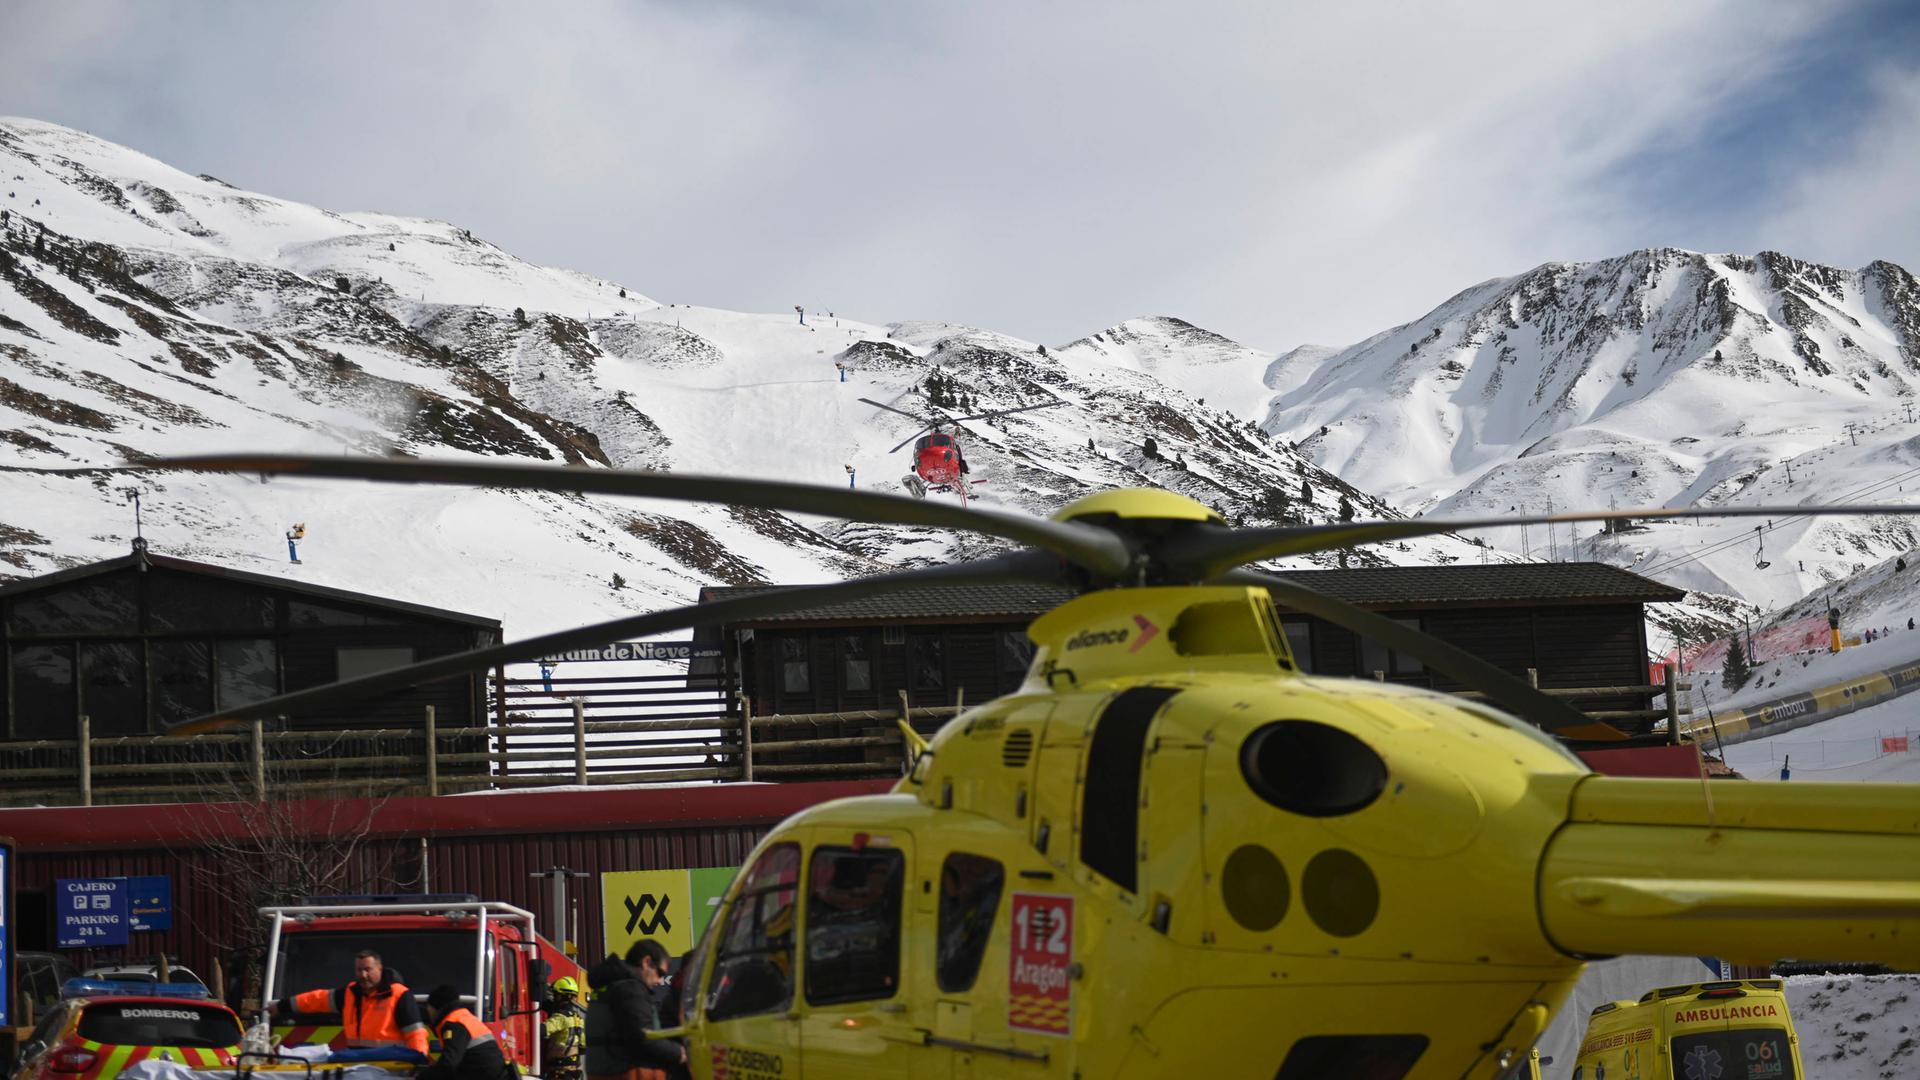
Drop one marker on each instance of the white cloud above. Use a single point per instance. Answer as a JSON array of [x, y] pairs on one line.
[[1864, 202], [1313, 173]]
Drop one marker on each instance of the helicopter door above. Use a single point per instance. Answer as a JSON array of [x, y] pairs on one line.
[[858, 1019], [751, 1023]]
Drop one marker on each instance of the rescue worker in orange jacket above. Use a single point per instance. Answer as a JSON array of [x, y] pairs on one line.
[[376, 1009], [468, 1050]]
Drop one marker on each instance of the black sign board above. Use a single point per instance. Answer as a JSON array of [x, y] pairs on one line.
[[633, 650]]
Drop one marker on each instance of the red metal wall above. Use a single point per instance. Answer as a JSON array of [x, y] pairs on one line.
[[488, 845]]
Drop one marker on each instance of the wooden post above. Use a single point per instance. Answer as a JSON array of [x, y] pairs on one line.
[[580, 740], [746, 737], [86, 760], [219, 981], [500, 713], [1533, 677], [1671, 672], [259, 760], [433, 752]]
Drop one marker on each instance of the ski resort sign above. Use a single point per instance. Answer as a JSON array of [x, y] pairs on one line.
[[633, 650]]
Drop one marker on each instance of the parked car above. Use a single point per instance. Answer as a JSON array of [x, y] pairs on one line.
[[39, 976], [146, 973], [100, 1027]]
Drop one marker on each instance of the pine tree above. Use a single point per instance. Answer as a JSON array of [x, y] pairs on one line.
[[1737, 671]]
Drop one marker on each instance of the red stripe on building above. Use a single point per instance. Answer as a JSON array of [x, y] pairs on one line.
[[72, 828]]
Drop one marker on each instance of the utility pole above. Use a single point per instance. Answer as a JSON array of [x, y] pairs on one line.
[[133, 496], [1852, 428], [557, 909]]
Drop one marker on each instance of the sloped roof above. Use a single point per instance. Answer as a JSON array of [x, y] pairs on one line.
[[1399, 586], [1369, 587], [267, 581]]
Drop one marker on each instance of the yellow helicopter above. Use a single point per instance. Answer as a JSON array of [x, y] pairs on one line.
[[1171, 853]]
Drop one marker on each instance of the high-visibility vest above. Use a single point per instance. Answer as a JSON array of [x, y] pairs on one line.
[[365, 1019], [477, 1032]]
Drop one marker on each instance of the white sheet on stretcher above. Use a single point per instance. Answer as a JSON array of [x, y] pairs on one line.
[[173, 1070]]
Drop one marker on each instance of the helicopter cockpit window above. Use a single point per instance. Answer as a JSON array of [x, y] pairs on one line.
[[853, 923], [970, 887], [753, 968], [937, 439]]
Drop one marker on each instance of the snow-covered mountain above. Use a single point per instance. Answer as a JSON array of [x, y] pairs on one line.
[[147, 311], [1663, 377]]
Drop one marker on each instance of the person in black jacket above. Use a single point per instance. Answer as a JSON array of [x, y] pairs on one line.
[[621, 1014], [468, 1050]]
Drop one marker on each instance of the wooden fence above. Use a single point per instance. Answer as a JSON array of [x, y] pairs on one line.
[[632, 729]]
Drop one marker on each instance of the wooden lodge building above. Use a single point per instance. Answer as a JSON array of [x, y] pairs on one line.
[[1574, 625], [144, 642]]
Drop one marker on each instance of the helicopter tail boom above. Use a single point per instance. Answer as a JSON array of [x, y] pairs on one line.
[[1763, 872]]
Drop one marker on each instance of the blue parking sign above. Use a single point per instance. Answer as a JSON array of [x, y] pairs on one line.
[[90, 912]]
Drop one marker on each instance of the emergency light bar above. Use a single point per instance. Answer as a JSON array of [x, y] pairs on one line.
[[92, 988]]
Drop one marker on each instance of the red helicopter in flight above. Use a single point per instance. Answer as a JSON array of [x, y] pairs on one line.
[[939, 464]]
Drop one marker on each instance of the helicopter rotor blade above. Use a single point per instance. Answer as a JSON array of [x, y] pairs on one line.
[[1008, 412], [1205, 550], [1097, 549], [910, 438], [1547, 713], [891, 409], [1020, 566], [915, 417]]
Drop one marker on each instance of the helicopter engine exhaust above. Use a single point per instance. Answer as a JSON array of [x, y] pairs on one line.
[[1760, 872]]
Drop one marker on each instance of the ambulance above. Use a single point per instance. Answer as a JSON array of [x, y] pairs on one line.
[[1738, 1030]]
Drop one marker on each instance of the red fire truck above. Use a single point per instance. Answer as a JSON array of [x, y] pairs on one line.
[[489, 950]]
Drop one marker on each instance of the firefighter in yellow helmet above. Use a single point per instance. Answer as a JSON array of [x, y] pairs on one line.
[[565, 1031]]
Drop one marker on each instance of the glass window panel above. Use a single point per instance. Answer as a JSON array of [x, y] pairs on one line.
[[103, 605], [353, 663], [856, 663], [1402, 663], [1016, 652], [113, 687], [1300, 642], [929, 662], [307, 666], [308, 614], [194, 603], [970, 887], [43, 702], [1374, 657], [182, 675], [753, 965], [249, 671], [796, 674], [853, 924]]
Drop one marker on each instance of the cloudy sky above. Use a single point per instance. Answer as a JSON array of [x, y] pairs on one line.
[[1279, 173]]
